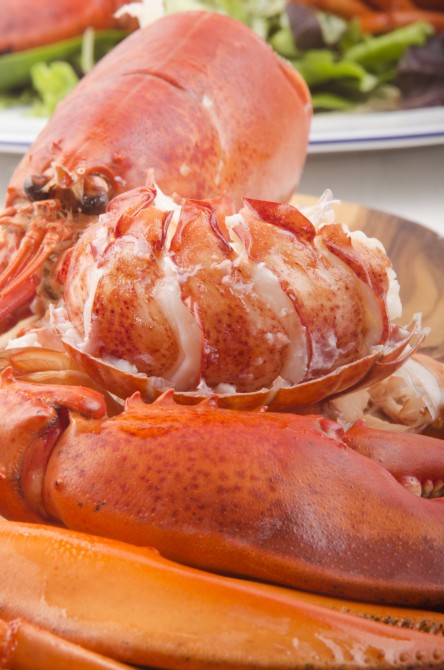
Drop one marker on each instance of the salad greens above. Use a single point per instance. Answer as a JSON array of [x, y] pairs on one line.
[[383, 52], [53, 82], [343, 68], [41, 77]]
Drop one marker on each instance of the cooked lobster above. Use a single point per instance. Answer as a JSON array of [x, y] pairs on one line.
[[278, 497], [186, 111], [217, 306], [25, 26], [275, 496], [211, 290]]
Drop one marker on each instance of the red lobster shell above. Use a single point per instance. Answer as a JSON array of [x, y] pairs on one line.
[[171, 98], [54, 21], [261, 308], [273, 496]]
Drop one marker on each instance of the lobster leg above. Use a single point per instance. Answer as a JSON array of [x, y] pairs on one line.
[[19, 280], [26, 251], [36, 246], [132, 604], [24, 646], [16, 305]]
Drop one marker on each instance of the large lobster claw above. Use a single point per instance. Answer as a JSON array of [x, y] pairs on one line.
[[278, 497], [133, 605]]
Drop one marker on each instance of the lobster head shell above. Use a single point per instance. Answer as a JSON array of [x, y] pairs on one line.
[[174, 99]]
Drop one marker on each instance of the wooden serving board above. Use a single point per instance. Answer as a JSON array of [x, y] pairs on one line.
[[417, 254]]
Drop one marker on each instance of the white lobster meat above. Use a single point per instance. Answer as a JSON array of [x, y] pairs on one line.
[[259, 305]]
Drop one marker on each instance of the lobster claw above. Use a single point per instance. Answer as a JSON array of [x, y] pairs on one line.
[[133, 605], [415, 461], [276, 497], [34, 417]]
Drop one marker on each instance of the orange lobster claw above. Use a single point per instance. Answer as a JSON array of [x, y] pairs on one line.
[[277, 497], [131, 604], [24, 646]]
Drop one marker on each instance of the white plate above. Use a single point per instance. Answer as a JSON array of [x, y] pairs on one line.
[[329, 132], [382, 130], [18, 129]]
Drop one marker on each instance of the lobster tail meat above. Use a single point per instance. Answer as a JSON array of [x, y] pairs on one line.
[[229, 305], [221, 295], [186, 112], [311, 277]]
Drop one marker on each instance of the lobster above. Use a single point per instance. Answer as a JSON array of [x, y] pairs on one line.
[[278, 497], [283, 498], [186, 111], [20, 29], [60, 589], [182, 477], [380, 16], [329, 516]]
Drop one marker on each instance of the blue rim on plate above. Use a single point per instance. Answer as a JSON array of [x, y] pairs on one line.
[[380, 130], [334, 132]]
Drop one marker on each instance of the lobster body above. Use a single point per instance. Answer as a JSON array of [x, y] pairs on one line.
[[277, 497], [171, 100], [229, 305]]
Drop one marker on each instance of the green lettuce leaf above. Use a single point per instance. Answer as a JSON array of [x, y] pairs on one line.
[[52, 82], [381, 53], [321, 66], [15, 68]]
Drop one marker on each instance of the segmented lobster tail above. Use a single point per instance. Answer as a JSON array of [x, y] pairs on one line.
[[230, 305]]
